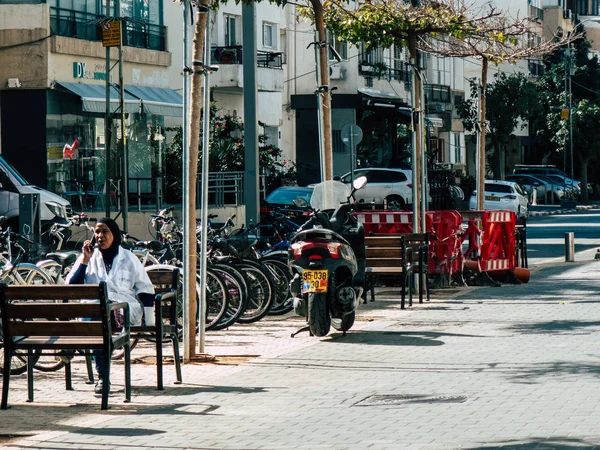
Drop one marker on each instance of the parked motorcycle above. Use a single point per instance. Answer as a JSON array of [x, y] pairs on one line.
[[327, 259]]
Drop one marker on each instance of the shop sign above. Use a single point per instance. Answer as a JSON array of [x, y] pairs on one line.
[[80, 71]]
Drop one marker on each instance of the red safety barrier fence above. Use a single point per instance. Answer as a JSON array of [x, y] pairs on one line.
[[492, 244], [444, 227]]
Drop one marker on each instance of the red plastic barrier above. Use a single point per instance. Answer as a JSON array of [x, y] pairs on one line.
[[492, 245], [445, 255], [446, 244], [388, 222]]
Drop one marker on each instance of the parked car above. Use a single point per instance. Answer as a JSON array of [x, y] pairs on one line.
[[391, 187], [503, 195], [547, 191], [547, 170], [571, 190], [282, 200], [52, 207]]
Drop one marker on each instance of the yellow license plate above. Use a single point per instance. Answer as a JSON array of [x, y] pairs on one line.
[[314, 281], [495, 199]]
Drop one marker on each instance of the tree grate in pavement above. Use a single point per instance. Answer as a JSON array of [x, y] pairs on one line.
[[407, 399]]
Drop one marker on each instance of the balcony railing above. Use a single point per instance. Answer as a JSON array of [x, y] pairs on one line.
[[233, 54], [81, 25]]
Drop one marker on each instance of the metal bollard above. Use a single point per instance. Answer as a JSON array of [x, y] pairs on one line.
[[569, 247]]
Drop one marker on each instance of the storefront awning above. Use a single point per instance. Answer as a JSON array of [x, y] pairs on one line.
[[93, 97], [158, 101], [434, 121]]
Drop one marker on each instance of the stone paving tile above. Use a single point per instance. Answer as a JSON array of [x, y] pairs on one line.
[[524, 357]]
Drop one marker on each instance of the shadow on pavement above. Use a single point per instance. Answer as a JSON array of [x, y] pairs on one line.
[[538, 444], [408, 338], [533, 373], [553, 283], [553, 327]]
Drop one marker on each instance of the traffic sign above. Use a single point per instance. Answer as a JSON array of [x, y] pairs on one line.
[[111, 33], [351, 134]]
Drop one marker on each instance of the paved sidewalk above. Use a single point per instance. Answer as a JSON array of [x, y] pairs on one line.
[[515, 366]]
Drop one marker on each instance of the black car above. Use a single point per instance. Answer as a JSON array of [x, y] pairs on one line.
[[282, 200]]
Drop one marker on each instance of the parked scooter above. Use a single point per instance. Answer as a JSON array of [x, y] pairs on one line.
[[327, 258]]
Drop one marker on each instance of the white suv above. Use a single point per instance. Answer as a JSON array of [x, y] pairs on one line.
[[385, 186]]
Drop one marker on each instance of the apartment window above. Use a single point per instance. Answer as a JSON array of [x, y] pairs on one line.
[[340, 46], [457, 142], [231, 29], [440, 70], [371, 56], [269, 36]]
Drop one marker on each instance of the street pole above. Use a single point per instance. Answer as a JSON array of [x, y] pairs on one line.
[[124, 153], [320, 109], [107, 128], [204, 191], [185, 135]]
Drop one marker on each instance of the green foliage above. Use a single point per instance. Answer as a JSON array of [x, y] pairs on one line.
[[226, 155]]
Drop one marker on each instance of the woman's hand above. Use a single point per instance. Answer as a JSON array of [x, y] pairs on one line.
[[88, 251]]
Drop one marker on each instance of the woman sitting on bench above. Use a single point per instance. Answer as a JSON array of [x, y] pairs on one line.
[[125, 277]]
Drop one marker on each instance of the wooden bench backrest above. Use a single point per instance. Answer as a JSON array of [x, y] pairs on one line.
[[385, 250], [28, 310]]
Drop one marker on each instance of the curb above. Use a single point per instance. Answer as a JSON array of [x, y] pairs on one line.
[[563, 211]]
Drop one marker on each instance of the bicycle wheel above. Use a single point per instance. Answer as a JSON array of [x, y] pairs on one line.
[[145, 257], [217, 298], [24, 273], [261, 291], [237, 289], [281, 275]]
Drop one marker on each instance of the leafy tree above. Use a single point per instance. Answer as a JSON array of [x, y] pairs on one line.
[[585, 103], [226, 155], [512, 100]]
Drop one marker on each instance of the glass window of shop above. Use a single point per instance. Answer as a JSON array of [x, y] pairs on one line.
[[74, 144], [76, 150]]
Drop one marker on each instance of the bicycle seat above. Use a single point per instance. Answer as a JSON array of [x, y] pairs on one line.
[[150, 245], [65, 259]]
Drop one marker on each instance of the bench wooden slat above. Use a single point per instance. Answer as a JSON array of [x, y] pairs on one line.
[[33, 310], [55, 328], [385, 262], [59, 343], [383, 252], [53, 292], [385, 270], [383, 241]]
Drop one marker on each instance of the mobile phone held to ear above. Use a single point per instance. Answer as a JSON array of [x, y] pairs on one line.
[[93, 243]]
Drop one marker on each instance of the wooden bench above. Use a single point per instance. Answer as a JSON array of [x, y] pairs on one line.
[[399, 256], [47, 319], [166, 286], [386, 256]]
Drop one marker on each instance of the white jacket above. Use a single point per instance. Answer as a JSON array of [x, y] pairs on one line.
[[126, 279]]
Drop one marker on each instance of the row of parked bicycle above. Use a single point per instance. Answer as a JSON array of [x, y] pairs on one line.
[[247, 277]]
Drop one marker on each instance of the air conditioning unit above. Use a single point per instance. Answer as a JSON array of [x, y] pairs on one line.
[[336, 72]]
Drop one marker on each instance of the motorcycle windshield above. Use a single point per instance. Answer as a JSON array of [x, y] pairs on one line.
[[329, 195]]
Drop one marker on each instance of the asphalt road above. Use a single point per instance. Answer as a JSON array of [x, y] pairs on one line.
[[546, 236]]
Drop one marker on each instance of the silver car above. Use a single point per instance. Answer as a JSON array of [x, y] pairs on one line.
[[547, 191], [503, 195]]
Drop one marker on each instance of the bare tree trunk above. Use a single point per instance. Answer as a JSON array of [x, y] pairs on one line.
[[327, 151], [481, 143], [416, 154], [194, 142]]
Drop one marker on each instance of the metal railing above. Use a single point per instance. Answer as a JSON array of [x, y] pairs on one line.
[[81, 25], [233, 54]]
